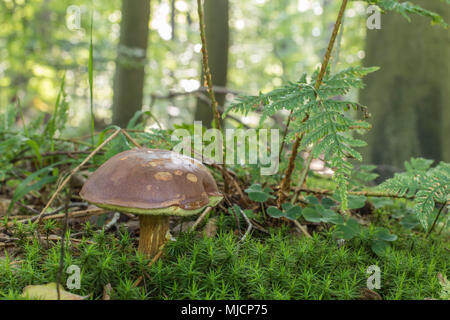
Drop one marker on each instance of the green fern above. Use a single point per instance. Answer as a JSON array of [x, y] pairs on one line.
[[427, 186], [320, 116], [406, 8]]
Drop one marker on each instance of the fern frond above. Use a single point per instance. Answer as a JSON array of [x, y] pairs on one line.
[[406, 8], [426, 185]]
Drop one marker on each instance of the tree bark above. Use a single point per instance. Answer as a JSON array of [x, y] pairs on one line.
[[131, 58], [409, 96], [217, 39]]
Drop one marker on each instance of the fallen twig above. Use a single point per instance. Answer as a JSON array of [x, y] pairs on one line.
[[131, 139], [74, 171], [199, 219], [155, 258], [73, 214], [369, 193], [302, 228], [249, 228], [34, 218]]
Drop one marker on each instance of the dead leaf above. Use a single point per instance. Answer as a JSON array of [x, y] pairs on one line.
[[48, 292], [4, 204], [211, 227], [107, 292], [367, 294]]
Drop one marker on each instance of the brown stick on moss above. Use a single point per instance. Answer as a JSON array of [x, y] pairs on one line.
[[153, 230]]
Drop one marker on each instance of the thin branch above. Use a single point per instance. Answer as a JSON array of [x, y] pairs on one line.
[[285, 183], [375, 194], [200, 219], [302, 228], [303, 175], [61, 257], [130, 138], [71, 205], [435, 220], [249, 223], [175, 94], [208, 78], [61, 186]]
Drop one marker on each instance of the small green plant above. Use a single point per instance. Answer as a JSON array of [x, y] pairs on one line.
[[288, 211], [319, 117], [425, 184], [258, 194]]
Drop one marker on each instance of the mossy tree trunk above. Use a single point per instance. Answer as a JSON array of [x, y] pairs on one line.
[[217, 38], [131, 58], [409, 96]]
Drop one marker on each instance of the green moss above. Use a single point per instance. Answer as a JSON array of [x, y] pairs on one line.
[[280, 265]]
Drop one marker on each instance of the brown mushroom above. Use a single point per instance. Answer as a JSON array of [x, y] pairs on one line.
[[153, 184]]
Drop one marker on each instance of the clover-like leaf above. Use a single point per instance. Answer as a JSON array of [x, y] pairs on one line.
[[286, 206], [327, 202], [274, 212], [353, 201], [311, 215], [257, 194], [293, 213], [312, 199], [349, 230], [329, 216], [380, 247], [385, 235], [289, 211]]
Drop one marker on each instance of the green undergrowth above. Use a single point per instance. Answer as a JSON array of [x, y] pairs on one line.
[[278, 265]]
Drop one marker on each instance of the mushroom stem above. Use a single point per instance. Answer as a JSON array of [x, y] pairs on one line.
[[153, 230]]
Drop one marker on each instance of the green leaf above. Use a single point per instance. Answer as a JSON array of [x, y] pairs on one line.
[[286, 206], [327, 202], [312, 199], [385, 235], [329, 216], [26, 186], [293, 213], [256, 193], [381, 202], [380, 247], [349, 230], [353, 201], [311, 215], [409, 222], [274, 212], [33, 144]]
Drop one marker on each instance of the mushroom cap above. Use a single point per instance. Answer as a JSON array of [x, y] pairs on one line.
[[152, 181]]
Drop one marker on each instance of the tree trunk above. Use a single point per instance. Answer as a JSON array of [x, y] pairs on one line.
[[409, 96], [217, 34], [131, 58]]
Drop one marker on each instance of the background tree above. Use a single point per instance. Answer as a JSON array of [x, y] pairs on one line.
[[130, 63], [408, 97], [217, 38]]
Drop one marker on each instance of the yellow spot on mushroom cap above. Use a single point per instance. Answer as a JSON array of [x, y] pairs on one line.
[[178, 172], [191, 177], [163, 175]]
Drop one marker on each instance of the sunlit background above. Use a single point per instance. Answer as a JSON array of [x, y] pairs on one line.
[[271, 42]]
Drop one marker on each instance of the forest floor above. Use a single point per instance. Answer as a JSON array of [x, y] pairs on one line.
[[213, 263], [298, 255]]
